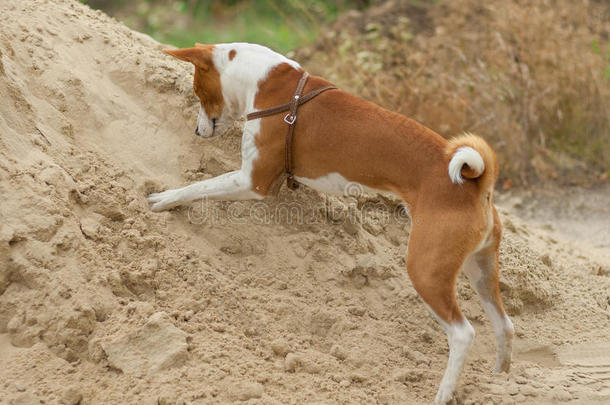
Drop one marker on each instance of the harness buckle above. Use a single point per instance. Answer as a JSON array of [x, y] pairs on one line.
[[290, 119]]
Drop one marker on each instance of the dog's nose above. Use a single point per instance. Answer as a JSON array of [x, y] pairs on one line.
[[197, 131]]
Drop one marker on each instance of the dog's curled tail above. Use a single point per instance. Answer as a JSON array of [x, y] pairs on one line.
[[472, 158]]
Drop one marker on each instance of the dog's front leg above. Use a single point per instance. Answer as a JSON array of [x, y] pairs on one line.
[[229, 186]]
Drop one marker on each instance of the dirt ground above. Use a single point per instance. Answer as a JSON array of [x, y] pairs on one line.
[[301, 300]]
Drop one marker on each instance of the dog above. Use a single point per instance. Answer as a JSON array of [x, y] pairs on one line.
[[340, 138]]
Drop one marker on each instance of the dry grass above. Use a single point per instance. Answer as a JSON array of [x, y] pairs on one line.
[[532, 77]]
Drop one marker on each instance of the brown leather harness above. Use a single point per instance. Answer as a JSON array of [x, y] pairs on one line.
[[290, 119]]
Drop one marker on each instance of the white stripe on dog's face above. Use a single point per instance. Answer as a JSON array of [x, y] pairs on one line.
[[243, 67], [226, 81], [228, 87]]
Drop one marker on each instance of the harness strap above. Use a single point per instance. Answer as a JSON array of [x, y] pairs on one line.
[[285, 107], [290, 119]]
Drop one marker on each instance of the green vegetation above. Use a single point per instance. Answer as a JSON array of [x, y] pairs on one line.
[[281, 24]]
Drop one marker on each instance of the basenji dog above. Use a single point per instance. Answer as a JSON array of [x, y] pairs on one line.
[[340, 139]]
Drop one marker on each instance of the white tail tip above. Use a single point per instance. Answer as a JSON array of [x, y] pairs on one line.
[[465, 155]]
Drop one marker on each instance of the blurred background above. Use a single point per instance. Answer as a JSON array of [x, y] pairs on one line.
[[532, 77], [281, 24]]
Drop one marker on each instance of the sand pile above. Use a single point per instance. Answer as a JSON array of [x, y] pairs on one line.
[[103, 302]]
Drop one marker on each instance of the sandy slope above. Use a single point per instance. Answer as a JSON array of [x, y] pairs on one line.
[[103, 302]]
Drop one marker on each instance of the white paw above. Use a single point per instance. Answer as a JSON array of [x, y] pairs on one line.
[[164, 200], [443, 396]]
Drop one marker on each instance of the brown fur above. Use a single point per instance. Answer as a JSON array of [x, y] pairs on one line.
[[206, 83], [340, 133], [490, 175]]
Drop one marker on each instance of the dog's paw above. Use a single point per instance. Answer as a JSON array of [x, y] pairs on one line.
[[444, 396], [164, 200]]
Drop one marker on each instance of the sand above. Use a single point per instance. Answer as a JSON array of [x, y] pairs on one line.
[[105, 302]]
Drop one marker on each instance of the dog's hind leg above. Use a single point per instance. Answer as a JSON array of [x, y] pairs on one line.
[[481, 267], [436, 254]]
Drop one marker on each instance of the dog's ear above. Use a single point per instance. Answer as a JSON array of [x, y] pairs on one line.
[[198, 56]]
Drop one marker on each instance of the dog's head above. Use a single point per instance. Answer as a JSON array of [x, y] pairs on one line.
[[213, 118], [227, 78]]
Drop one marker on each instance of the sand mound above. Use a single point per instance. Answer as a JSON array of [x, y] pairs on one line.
[[102, 301]]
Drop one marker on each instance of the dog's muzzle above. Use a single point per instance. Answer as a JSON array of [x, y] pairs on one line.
[[214, 121]]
